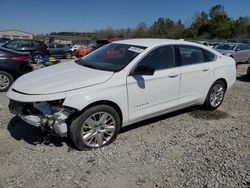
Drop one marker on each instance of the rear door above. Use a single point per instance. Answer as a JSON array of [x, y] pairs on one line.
[[197, 70]]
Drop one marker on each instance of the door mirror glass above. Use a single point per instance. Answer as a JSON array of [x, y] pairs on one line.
[[143, 70]]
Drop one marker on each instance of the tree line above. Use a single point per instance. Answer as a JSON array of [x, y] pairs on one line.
[[214, 24]]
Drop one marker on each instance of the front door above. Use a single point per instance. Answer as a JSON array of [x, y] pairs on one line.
[[152, 94]]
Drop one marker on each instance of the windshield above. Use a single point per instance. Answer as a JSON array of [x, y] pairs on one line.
[[225, 46], [112, 57]]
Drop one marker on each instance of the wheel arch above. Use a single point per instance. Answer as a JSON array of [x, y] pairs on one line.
[[8, 71], [36, 53], [223, 80], [100, 102]]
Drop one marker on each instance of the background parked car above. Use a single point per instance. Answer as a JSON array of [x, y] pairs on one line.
[[76, 46], [239, 51], [205, 43], [37, 49], [81, 52], [246, 41], [61, 50], [12, 65], [214, 43], [3, 40]]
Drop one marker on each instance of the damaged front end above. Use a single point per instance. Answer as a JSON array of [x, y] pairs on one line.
[[50, 115]]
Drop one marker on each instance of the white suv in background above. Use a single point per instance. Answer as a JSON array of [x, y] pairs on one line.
[[119, 84]]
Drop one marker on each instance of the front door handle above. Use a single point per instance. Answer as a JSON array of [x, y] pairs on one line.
[[205, 69], [172, 75]]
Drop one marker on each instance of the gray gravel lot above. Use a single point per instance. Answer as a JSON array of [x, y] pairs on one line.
[[189, 148]]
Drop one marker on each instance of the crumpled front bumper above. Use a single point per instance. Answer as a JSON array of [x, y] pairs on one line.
[[43, 114]]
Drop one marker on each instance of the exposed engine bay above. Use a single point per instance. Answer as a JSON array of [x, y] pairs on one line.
[[51, 115]]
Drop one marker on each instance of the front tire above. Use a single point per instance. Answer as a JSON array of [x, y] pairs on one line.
[[6, 80], [94, 128], [215, 95]]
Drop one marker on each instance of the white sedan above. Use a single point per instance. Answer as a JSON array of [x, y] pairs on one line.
[[239, 51], [119, 84]]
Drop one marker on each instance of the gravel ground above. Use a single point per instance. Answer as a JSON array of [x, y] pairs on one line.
[[189, 148]]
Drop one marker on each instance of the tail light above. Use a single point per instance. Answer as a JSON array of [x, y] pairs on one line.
[[22, 59]]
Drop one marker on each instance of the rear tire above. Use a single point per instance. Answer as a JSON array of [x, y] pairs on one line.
[[215, 95], [6, 80], [96, 127]]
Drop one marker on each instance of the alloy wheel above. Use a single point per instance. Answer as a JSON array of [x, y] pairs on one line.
[[216, 95], [98, 129], [4, 82]]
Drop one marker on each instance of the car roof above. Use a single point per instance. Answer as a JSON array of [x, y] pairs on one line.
[[152, 42], [232, 43], [25, 40]]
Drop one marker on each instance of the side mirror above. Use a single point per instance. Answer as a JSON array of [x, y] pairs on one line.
[[143, 70], [237, 49]]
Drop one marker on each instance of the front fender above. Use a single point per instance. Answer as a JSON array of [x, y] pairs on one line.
[[79, 99]]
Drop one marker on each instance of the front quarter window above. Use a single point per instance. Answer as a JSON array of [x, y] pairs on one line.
[[112, 57]]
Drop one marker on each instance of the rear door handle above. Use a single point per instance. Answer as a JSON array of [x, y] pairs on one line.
[[172, 75], [205, 69]]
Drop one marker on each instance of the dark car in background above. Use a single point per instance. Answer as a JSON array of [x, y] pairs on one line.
[[61, 50], [3, 41], [12, 65], [37, 49]]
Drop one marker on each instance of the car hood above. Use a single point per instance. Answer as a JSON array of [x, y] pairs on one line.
[[60, 78], [224, 51]]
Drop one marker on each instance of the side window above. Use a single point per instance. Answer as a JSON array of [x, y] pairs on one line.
[[238, 48], [194, 55], [51, 46], [27, 44], [36, 43], [13, 44], [244, 47], [160, 58], [60, 45]]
